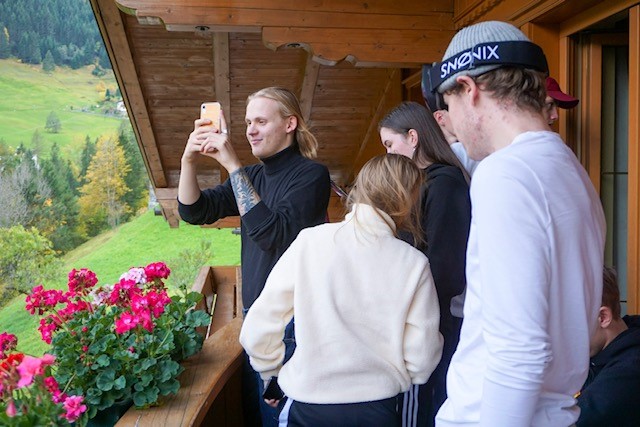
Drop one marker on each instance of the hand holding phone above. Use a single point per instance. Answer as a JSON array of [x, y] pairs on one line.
[[272, 390], [211, 111]]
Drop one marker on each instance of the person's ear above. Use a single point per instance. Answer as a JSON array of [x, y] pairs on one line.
[[292, 123], [439, 117], [469, 88], [605, 317], [412, 136]]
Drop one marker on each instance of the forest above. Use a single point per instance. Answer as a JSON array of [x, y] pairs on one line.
[[57, 190], [53, 32]]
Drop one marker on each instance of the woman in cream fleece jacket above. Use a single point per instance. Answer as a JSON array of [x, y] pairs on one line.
[[366, 310]]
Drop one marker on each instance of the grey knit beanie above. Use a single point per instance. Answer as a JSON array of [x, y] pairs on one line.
[[468, 37]]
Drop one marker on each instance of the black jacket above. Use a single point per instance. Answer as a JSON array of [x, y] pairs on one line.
[[294, 193], [611, 394]]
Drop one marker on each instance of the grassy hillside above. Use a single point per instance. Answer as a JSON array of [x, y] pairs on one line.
[[29, 95], [146, 239]]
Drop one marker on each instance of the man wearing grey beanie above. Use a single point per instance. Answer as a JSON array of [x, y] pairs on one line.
[[536, 244]]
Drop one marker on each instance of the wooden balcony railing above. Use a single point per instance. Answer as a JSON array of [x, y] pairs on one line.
[[210, 386]]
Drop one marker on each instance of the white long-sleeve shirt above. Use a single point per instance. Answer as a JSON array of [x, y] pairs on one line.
[[534, 283], [366, 314]]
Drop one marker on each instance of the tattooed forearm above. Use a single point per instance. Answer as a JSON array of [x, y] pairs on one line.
[[246, 196]]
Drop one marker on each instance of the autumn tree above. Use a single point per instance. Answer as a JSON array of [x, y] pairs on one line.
[[101, 201], [25, 192], [53, 124], [26, 259], [5, 44]]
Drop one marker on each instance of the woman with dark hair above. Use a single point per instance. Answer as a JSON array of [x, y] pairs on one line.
[[410, 129], [365, 306]]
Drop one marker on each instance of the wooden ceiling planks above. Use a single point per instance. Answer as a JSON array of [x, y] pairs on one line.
[[111, 24], [380, 33], [169, 73]]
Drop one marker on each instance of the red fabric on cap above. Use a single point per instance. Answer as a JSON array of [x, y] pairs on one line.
[[562, 99]]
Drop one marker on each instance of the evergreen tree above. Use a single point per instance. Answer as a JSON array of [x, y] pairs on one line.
[[136, 179], [48, 64], [64, 207], [39, 26], [101, 201], [32, 53], [53, 124], [88, 151]]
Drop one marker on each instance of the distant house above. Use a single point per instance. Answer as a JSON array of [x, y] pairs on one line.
[[121, 109]]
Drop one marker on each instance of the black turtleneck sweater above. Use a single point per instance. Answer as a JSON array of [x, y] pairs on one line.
[[294, 194]]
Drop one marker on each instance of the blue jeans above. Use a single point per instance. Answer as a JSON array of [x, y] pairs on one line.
[[255, 409]]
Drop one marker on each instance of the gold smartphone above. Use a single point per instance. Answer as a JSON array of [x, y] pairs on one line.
[[211, 111]]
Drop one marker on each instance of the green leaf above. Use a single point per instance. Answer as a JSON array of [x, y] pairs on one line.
[[145, 379], [120, 383], [103, 360], [198, 318], [169, 387], [105, 380], [146, 397], [143, 365]]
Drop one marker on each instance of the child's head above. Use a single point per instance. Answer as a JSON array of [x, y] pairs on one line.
[[611, 292], [391, 183]]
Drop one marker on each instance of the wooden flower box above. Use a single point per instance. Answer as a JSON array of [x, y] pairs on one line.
[[210, 391]]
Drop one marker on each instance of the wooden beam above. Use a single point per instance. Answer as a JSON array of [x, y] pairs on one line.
[[593, 15], [168, 199], [115, 39], [363, 48], [382, 33], [591, 111], [633, 244], [186, 15], [309, 82]]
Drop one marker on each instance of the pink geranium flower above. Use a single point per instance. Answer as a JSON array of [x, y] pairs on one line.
[[80, 281], [11, 409], [32, 366], [8, 343], [74, 408], [157, 270], [126, 322]]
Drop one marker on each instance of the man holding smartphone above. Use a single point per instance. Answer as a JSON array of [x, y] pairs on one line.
[[276, 198]]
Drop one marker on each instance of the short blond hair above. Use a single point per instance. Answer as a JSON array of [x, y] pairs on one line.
[[289, 105], [391, 183]]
